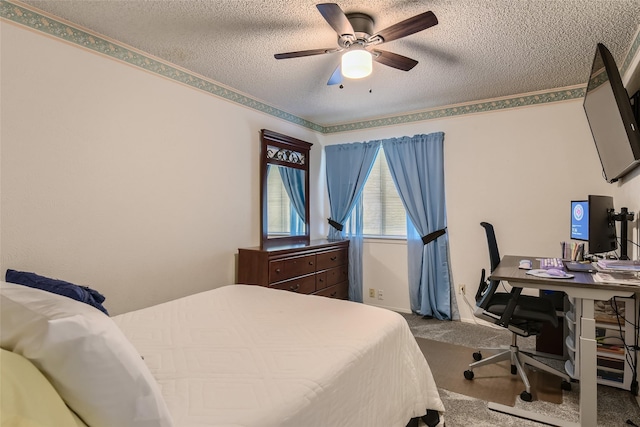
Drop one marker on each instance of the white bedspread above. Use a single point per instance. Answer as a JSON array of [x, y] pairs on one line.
[[250, 356]]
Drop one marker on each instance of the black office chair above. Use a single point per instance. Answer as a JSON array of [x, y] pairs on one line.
[[523, 315]]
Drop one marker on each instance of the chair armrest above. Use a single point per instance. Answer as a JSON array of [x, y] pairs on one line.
[[482, 286], [511, 306]]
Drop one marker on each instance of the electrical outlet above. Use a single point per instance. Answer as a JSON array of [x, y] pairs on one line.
[[372, 293], [380, 295], [461, 289]]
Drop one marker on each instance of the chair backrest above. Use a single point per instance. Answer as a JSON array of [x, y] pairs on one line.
[[494, 254], [486, 288]]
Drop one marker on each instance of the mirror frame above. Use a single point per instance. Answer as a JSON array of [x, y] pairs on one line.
[[285, 145]]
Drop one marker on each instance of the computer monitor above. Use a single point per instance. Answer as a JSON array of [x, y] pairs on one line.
[[592, 221], [580, 220], [602, 226]]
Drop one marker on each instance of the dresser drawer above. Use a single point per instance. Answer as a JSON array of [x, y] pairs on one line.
[[301, 285], [321, 280], [287, 268], [337, 275], [300, 265], [331, 259], [339, 291], [276, 271], [306, 269]]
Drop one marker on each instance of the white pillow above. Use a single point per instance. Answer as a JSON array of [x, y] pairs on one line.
[[85, 356]]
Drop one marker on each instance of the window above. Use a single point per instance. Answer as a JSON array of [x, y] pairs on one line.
[[384, 214]]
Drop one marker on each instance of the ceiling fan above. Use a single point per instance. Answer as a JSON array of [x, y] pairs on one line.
[[357, 39]]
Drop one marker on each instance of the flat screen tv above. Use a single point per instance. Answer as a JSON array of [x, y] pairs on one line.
[[610, 117]]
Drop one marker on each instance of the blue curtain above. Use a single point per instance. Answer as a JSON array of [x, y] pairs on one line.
[[347, 169], [296, 224], [417, 169], [293, 180]]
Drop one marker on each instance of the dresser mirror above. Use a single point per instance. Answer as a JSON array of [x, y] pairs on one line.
[[284, 185]]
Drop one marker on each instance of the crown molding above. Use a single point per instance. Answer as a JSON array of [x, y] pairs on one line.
[[503, 103]]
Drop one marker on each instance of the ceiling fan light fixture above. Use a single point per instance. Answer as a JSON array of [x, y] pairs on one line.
[[356, 64]]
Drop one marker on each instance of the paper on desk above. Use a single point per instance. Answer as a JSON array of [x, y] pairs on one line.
[[619, 265], [615, 277]]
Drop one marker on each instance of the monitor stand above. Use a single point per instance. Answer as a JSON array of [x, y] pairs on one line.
[[623, 216]]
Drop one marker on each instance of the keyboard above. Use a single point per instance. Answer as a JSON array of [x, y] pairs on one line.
[[547, 263]]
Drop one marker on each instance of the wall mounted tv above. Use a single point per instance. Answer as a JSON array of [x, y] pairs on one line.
[[613, 126]]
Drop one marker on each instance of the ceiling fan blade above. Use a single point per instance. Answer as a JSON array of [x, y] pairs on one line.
[[332, 13], [408, 26], [394, 60], [301, 53], [336, 77]]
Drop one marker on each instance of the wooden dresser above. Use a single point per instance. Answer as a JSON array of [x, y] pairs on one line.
[[320, 268]]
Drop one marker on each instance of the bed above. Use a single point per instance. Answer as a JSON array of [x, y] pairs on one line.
[[233, 356]]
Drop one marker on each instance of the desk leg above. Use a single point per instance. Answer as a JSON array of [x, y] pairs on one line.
[[588, 363]]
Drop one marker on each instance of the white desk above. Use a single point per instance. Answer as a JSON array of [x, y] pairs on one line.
[[583, 287]]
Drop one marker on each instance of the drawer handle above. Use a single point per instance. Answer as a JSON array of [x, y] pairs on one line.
[[333, 294], [294, 288], [335, 257], [310, 262], [320, 280], [277, 271]]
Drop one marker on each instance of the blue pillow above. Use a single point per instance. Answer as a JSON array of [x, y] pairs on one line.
[[60, 287]]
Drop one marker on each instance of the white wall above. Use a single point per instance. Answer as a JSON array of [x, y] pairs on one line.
[[121, 180], [384, 265]]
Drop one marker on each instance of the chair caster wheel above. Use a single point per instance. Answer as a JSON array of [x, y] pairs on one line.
[[526, 396], [477, 356], [514, 370], [566, 385], [468, 374]]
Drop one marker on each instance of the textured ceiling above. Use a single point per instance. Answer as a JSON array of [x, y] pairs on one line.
[[480, 49]]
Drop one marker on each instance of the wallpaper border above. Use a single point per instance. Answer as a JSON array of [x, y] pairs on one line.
[[27, 17], [31, 18], [633, 49], [513, 101]]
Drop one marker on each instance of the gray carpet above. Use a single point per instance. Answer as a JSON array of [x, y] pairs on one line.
[[615, 406]]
